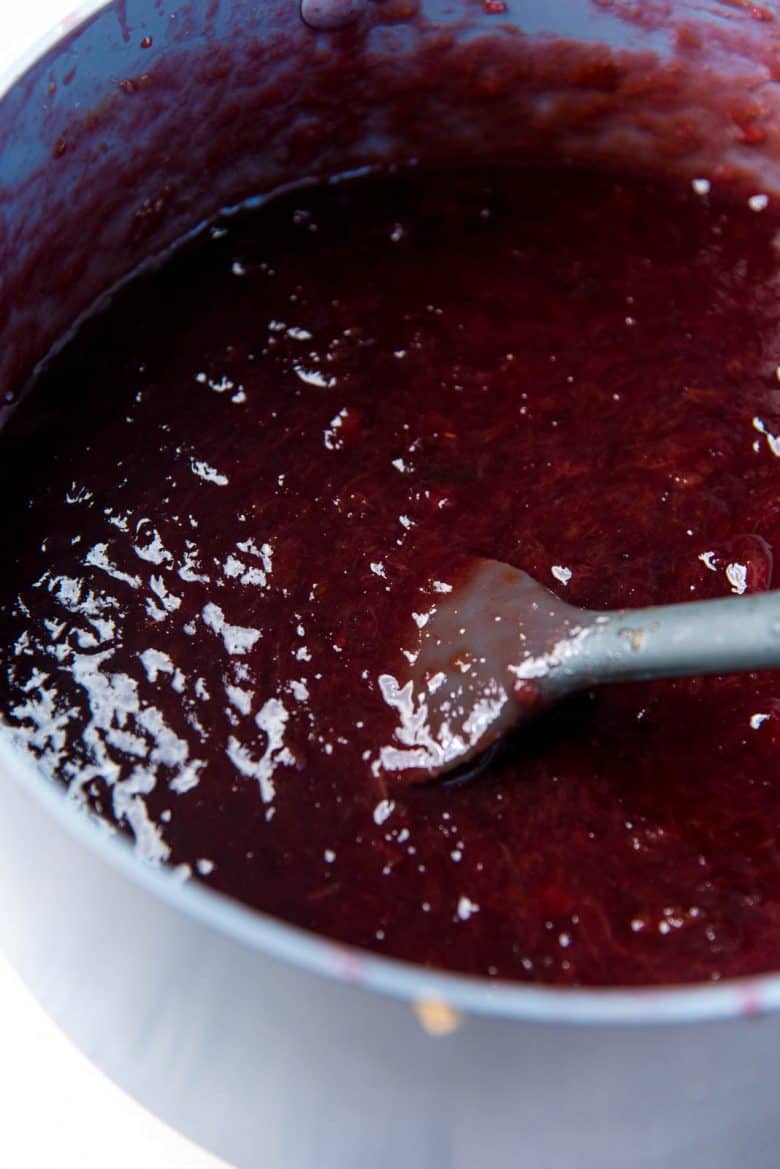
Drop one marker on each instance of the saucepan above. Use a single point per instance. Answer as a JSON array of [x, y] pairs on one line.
[[128, 127]]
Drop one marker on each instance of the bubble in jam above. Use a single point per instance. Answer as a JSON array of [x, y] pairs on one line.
[[330, 14]]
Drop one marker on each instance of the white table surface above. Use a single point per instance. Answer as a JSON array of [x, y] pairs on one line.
[[56, 1110]]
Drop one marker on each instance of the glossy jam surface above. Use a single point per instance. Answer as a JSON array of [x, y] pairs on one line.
[[227, 499]]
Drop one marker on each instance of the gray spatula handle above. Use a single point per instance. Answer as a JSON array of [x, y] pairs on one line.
[[726, 635]]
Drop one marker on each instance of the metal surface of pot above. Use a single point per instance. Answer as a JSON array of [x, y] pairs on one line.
[[269, 1045]]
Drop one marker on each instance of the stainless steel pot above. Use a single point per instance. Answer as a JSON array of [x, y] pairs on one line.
[[269, 1045]]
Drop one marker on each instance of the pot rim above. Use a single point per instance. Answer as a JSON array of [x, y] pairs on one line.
[[258, 931], [42, 44]]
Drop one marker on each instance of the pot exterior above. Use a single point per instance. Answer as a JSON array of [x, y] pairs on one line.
[[271, 1065]]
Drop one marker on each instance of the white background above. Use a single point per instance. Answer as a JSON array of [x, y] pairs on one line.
[[56, 1110]]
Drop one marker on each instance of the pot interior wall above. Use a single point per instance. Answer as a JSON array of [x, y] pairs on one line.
[[148, 119]]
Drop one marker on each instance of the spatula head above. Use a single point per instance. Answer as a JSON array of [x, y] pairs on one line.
[[483, 664]]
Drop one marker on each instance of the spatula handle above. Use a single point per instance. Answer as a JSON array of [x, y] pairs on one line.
[[719, 636]]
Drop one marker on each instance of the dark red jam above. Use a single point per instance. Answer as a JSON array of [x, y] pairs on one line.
[[228, 496]]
